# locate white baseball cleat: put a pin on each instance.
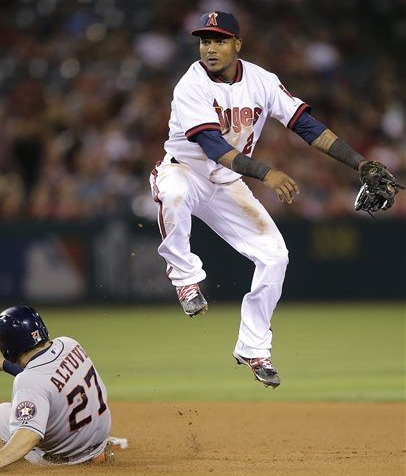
(262, 368)
(192, 300)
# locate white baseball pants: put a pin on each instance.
(239, 218)
(5, 409)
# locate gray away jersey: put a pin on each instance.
(60, 396)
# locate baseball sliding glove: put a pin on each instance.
(378, 188)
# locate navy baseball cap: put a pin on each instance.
(219, 22)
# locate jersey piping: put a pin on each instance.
(43, 351)
(208, 126)
(49, 361)
(35, 430)
(299, 111)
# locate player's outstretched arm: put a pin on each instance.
(319, 136)
(20, 444)
(336, 148)
(379, 186)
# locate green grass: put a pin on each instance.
(328, 351)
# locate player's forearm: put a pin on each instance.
(244, 165)
(336, 148)
(220, 151)
(217, 149)
(21, 443)
(227, 159)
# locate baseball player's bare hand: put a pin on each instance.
(284, 186)
(1, 364)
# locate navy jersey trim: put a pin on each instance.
(38, 354)
(23, 427)
(217, 79)
(299, 111)
(49, 361)
(208, 126)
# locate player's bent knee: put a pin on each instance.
(278, 253)
(284, 255)
(280, 261)
(284, 260)
(276, 262)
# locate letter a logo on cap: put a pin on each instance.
(212, 21)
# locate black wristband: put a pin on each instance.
(244, 165)
(341, 151)
(12, 369)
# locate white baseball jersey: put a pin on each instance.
(239, 110)
(195, 185)
(61, 397)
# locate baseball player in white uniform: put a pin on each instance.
(58, 413)
(218, 110)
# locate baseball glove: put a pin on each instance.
(378, 188)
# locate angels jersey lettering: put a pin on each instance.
(239, 110)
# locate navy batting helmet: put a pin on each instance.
(21, 329)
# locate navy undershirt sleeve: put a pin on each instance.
(308, 128)
(213, 144)
(12, 369)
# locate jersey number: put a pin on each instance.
(80, 390)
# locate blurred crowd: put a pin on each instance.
(86, 85)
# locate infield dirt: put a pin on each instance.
(250, 439)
